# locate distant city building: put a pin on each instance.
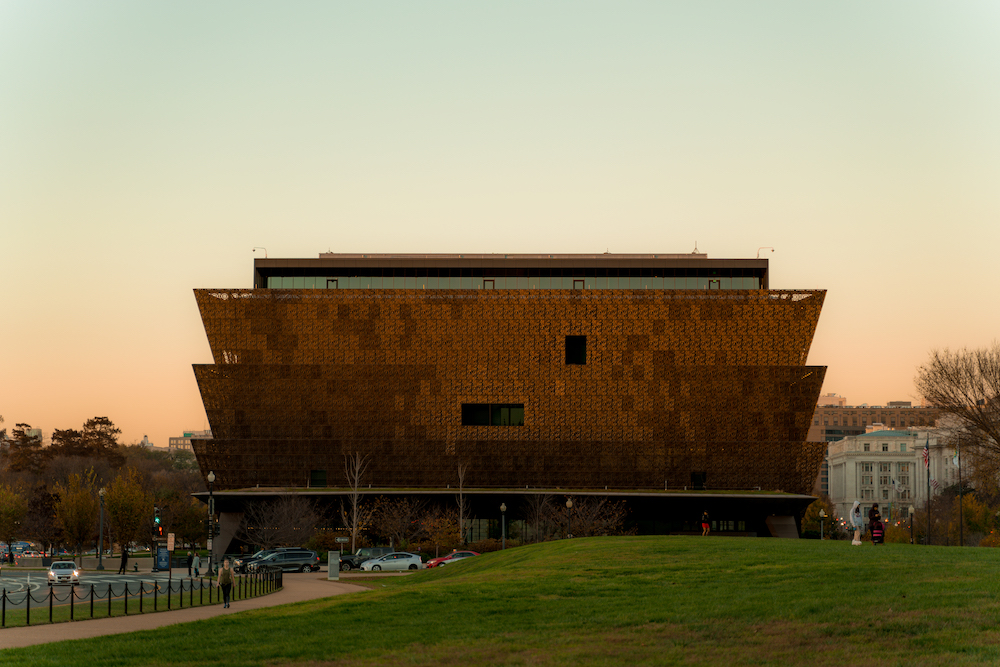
(184, 442)
(831, 400)
(834, 420)
(887, 467)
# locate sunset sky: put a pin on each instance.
(146, 148)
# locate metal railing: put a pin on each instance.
(141, 597)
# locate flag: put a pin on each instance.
(954, 457)
(935, 484)
(927, 453)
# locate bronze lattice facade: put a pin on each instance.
(659, 387)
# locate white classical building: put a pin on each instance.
(887, 467)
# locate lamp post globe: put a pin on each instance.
(822, 515)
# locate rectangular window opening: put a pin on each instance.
(493, 414)
(576, 350)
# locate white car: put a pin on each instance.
(394, 561)
(64, 572)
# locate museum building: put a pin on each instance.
(609, 373)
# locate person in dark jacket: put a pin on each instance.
(190, 559)
(706, 523)
(121, 570)
(878, 530)
(872, 513)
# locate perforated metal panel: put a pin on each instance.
(675, 382)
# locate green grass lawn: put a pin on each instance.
(614, 601)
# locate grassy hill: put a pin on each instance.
(614, 601)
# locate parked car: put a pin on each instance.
(394, 561)
(453, 557)
(64, 572)
(354, 560)
(289, 561)
(242, 565)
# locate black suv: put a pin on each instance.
(242, 565)
(299, 560)
(353, 561)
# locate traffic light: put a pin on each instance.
(217, 529)
(159, 531)
(156, 515)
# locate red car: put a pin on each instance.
(450, 558)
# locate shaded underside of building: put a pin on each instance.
(617, 389)
(647, 513)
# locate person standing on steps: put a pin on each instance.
(225, 582)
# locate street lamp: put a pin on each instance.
(100, 532)
(503, 525)
(822, 515)
(211, 511)
(912, 512)
(569, 517)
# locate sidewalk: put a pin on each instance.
(296, 589)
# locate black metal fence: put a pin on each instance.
(127, 598)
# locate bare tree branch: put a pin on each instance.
(286, 521)
(966, 385)
(355, 466)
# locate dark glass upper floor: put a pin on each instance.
(510, 272)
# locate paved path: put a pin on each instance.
(297, 587)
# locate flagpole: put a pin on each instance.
(961, 520)
(927, 466)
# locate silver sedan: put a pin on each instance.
(394, 561)
(64, 572)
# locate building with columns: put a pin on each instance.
(887, 467)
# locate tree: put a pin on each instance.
(398, 519)
(593, 515)
(100, 439)
(129, 507)
(966, 385)
(24, 452)
(441, 528)
(355, 466)
(67, 442)
(286, 521)
(40, 521)
(538, 510)
(811, 519)
(77, 509)
(13, 509)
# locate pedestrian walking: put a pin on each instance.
(225, 582)
(190, 559)
(196, 563)
(856, 523)
(706, 523)
(121, 570)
